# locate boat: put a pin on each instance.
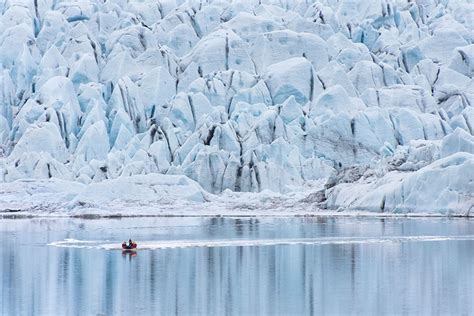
(130, 247)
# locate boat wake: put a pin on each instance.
(213, 243)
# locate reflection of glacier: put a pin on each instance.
(341, 279)
(244, 96)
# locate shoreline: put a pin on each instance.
(335, 214)
(65, 199)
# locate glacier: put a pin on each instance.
(192, 106)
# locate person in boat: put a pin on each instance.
(130, 245)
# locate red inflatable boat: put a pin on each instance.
(130, 246)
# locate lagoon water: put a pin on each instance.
(241, 266)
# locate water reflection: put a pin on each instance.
(129, 254)
(389, 278)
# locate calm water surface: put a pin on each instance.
(347, 266)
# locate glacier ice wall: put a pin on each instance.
(240, 95)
